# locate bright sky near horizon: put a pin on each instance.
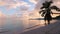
(21, 7)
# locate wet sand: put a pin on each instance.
(53, 28)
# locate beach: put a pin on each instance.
(53, 28)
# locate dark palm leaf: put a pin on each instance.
(55, 8)
(42, 12)
(46, 4)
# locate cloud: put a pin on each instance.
(57, 3)
(2, 3)
(24, 8)
(10, 4)
(2, 15)
(33, 1)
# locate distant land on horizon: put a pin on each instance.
(57, 17)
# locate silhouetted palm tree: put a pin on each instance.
(46, 11)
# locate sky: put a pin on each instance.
(16, 7)
(22, 8)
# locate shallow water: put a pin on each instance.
(16, 26)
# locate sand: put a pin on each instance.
(53, 28)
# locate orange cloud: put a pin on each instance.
(2, 15)
(2, 3)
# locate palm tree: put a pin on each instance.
(46, 11)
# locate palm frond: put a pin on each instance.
(43, 14)
(46, 4)
(55, 8)
(41, 11)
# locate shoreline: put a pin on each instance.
(48, 29)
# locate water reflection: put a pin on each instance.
(15, 26)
